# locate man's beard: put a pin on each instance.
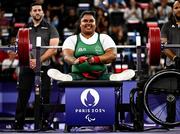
(37, 18)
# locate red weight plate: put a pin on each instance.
(23, 47)
(154, 46)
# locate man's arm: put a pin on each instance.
(47, 54)
(168, 52)
(52, 51)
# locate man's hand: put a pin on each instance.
(32, 63)
(94, 60)
(177, 62)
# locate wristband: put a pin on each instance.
(96, 59)
(82, 59)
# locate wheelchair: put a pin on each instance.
(161, 98)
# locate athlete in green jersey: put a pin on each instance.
(88, 53)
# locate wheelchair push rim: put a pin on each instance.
(163, 88)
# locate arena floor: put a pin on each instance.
(88, 130)
(173, 131)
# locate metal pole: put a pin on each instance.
(138, 60)
(37, 116)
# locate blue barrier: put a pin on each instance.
(8, 96)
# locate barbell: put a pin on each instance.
(153, 46)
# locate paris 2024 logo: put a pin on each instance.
(90, 98)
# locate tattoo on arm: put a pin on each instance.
(70, 59)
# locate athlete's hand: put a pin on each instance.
(80, 60)
(94, 60)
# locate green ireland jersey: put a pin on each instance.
(88, 50)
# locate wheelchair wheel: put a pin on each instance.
(162, 98)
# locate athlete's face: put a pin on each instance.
(87, 24)
(176, 10)
(37, 13)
